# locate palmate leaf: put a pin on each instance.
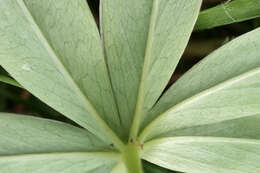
(144, 41)
(53, 49)
(205, 154)
(223, 87)
(227, 13)
(30, 145)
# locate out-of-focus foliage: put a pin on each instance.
(227, 13)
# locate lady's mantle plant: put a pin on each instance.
(208, 121)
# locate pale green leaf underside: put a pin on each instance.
(246, 127)
(205, 155)
(58, 163)
(227, 13)
(144, 41)
(30, 145)
(27, 135)
(223, 87)
(53, 49)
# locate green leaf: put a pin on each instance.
(27, 135)
(144, 41)
(53, 49)
(246, 127)
(58, 163)
(32, 144)
(204, 155)
(223, 87)
(227, 13)
(9, 81)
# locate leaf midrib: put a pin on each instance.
(113, 137)
(140, 98)
(196, 97)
